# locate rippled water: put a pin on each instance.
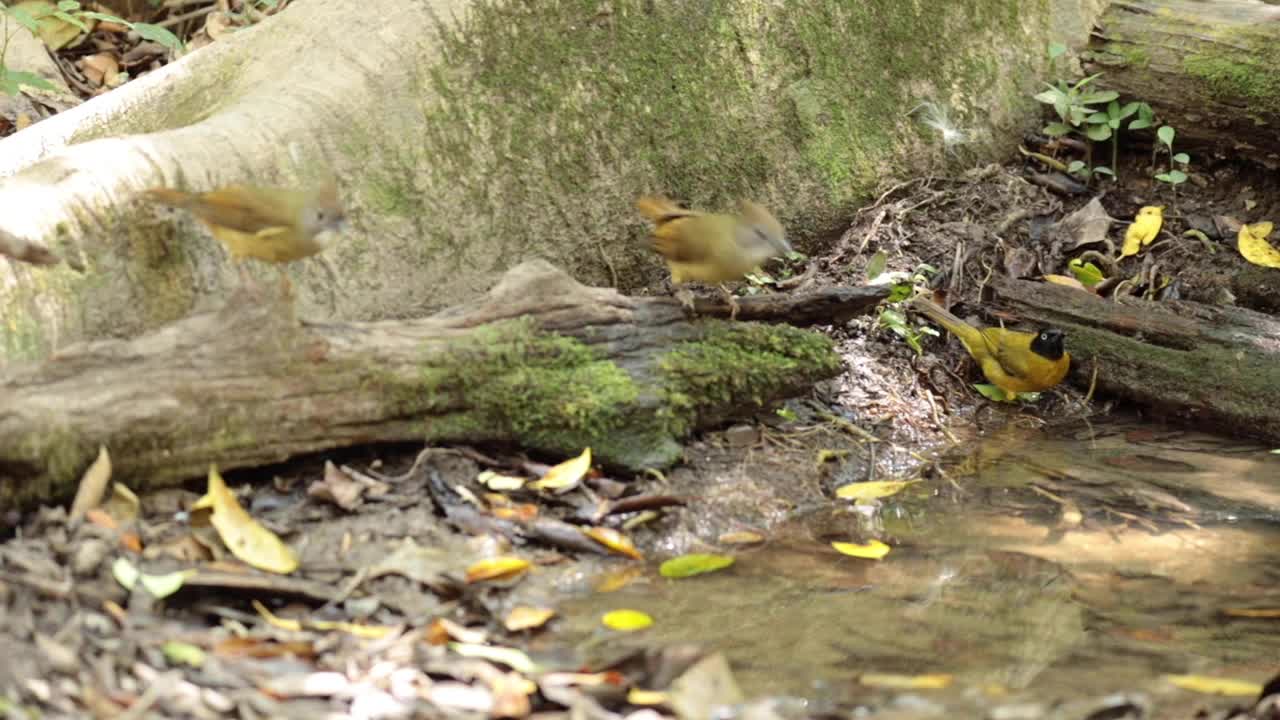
(1051, 565)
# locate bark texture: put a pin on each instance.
(1218, 366)
(541, 362)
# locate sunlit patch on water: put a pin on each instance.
(1060, 564)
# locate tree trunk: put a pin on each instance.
(1219, 366)
(540, 361)
(471, 135)
(1209, 69)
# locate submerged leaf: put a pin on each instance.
(694, 564)
(935, 681)
(872, 490)
(496, 568)
(1215, 686)
(626, 620)
(614, 540)
(870, 550)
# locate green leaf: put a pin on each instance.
(11, 79)
(1049, 97)
(104, 17)
(71, 20)
(68, 5)
(993, 392)
(1140, 124)
(694, 564)
(1086, 81)
(1098, 97)
(1075, 166)
(899, 292)
(1165, 133)
(1129, 109)
(1182, 158)
(1056, 50)
(1098, 133)
(876, 265)
(1177, 177)
(1056, 129)
(181, 653)
(155, 33)
(1104, 170)
(1113, 123)
(1098, 117)
(1077, 114)
(1086, 272)
(1113, 109)
(24, 19)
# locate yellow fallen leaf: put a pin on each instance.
(626, 620)
(1065, 281)
(243, 536)
(614, 540)
(369, 632)
(935, 681)
(502, 483)
(523, 617)
(870, 550)
(618, 578)
(741, 537)
(1145, 228)
(1253, 245)
(93, 485)
(693, 564)
(872, 490)
(566, 475)
(636, 696)
(1215, 686)
(496, 568)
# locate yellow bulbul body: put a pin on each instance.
(712, 247)
(274, 225)
(1014, 361)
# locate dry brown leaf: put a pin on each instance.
(93, 485)
(523, 617)
(614, 540)
(496, 568)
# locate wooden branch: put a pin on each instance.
(826, 306)
(540, 361)
(1216, 365)
(1205, 67)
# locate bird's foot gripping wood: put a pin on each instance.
(734, 307)
(685, 296)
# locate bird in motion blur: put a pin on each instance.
(275, 225)
(712, 247)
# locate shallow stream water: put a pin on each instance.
(1047, 566)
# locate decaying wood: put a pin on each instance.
(1207, 68)
(540, 361)
(1217, 365)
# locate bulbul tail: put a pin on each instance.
(172, 198)
(659, 209)
(967, 333)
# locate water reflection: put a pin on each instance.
(1072, 562)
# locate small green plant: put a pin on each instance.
(1174, 176)
(1074, 105)
(896, 321)
(71, 13)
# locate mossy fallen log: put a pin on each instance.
(1209, 69)
(541, 362)
(1218, 366)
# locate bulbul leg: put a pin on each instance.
(685, 296)
(286, 287)
(733, 302)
